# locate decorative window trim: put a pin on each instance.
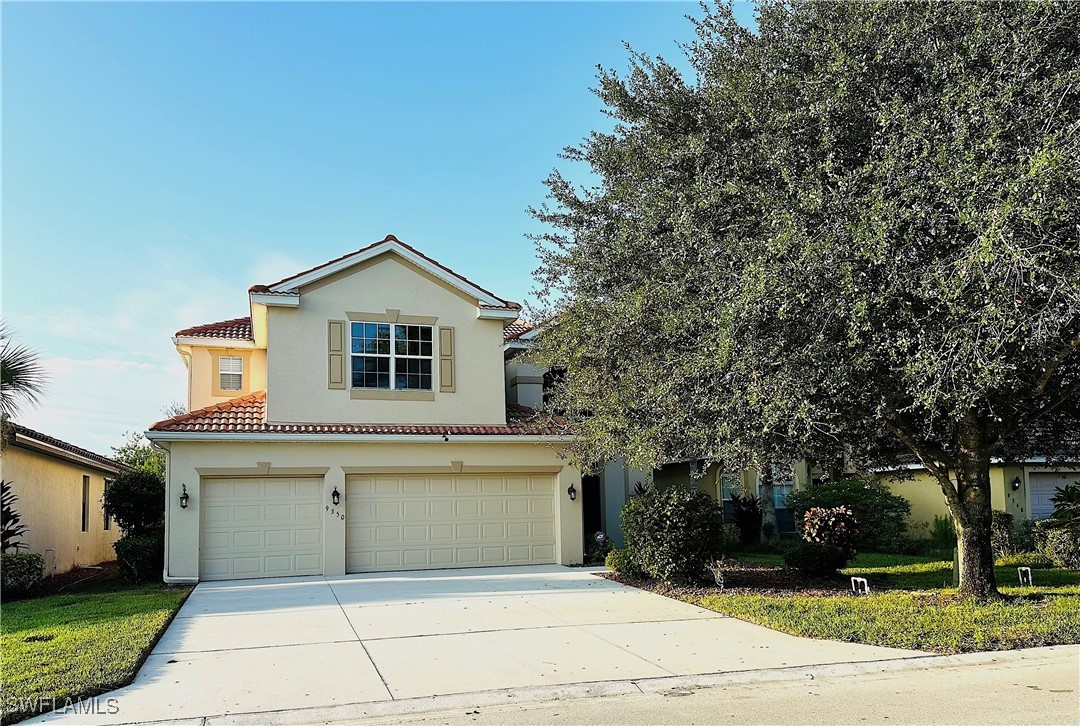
(393, 357)
(245, 371)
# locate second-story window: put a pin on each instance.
(391, 356)
(231, 373)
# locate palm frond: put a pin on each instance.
(22, 376)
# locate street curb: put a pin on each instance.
(543, 694)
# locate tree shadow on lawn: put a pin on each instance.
(768, 578)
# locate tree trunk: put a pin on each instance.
(768, 505)
(972, 514)
(973, 534)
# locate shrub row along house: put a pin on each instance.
(59, 488)
(375, 413)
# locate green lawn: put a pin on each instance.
(68, 646)
(933, 621)
(912, 605)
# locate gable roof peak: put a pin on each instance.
(485, 298)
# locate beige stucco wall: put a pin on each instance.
(50, 502)
(189, 462)
(297, 344)
(928, 501)
(202, 374)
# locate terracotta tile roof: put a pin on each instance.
(26, 438)
(516, 329)
(247, 414)
(235, 329)
(508, 304)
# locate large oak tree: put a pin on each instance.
(854, 229)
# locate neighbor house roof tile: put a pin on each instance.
(235, 329)
(247, 414)
(516, 329)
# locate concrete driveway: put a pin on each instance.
(260, 646)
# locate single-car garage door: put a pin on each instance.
(260, 528)
(411, 522)
(1043, 485)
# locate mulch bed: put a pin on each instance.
(72, 581)
(745, 578)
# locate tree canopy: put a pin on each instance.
(853, 230)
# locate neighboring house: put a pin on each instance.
(1022, 489)
(60, 487)
(359, 421)
(605, 491)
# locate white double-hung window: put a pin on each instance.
(391, 356)
(231, 373)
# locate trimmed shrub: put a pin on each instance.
(673, 532)
(21, 572)
(1024, 535)
(1060, 545)
(828, 541)
(1034, 560)
(747, 513)
(816, 559)
(1001, 533)
(834, 527)
(621, 563)
(141, 557)
(136, 502)
(882, 515)
(597, 547)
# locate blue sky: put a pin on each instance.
(160, 158)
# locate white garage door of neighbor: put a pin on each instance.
(413, 522)
(260, 528)
(1042, 485)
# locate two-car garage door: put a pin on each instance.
(273, 527)
(399, 522)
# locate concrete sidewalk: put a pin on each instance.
(259, 650)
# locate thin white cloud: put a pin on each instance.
(273, 267)
(92, 402)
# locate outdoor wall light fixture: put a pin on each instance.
(1016, 483)
(184, 496)
(335, 496)
(572, 492)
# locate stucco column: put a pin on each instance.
(568, 515)
(334, 522)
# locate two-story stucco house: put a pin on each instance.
(358, 421)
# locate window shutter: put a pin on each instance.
(446, 360)
(335, 348)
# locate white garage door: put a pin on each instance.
(1043, 485)
(260, 528)
(411, 522)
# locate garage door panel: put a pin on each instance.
(466, 485)
(260, 528)
(415, 522)
(441, 486)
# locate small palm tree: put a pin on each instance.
(22, 377)
(10, 528)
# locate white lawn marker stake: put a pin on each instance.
(1025, 576)
(859, 586)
